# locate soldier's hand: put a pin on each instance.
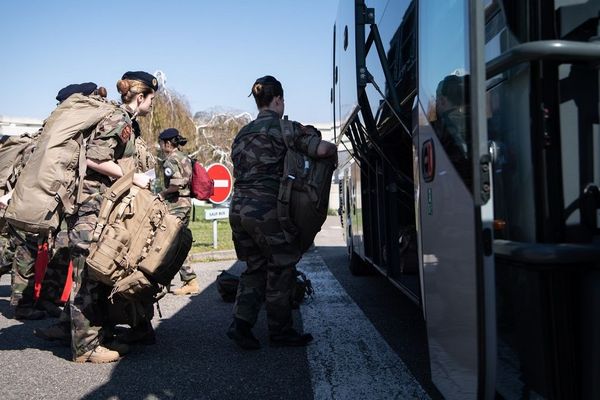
(141, 180)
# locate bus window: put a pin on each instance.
(444, 79)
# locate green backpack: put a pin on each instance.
(304, 188)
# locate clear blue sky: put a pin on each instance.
(211, 51)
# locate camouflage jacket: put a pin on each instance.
(258, 152)
(177, 170)
(107, 143)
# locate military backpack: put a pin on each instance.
(303, 197)
(136, 242)
(14, 154)
(47, 186)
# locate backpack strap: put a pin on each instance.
(286, 185)
(287, 131)
(111, 196)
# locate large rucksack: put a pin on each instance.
(47, 186)
(202, 186)
(136, 237)
(303, 197)
(14, 153)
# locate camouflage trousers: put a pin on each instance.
(88, 305)
(270, 263)
(186, 273)
(22, 283)
(7, 254)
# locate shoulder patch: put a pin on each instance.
(168, 172)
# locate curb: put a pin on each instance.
(220, 255)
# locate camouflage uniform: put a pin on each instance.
(7, 181)
(257, 154)
(23, 269)
(53, 283)
(7, 254)
(89, 298)
(177, 169)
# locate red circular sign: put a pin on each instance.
(222, 177)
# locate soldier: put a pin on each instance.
(89, 298)
(136, 313)
(257, 153)
(25, 245)
(178, 174)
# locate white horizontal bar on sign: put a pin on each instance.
(223, 183)
(216, 213)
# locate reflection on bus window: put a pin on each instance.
(452, 122)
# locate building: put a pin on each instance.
(14, 126)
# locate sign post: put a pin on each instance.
(223, 185)
(216, 214)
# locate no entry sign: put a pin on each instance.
(222, 177)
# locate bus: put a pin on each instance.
(472, 129)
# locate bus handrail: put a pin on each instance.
(556, 50)
(548, 254)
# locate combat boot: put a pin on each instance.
(290, 338)
(54, 332)
(188, 287)
(240, 332)
(98, 355)
(29, 313)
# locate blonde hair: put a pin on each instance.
(129, 88)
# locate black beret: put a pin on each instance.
(86, 89)
(142, 76)
(168, 133)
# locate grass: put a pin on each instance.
(202, 231)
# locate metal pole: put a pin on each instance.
(215, 233)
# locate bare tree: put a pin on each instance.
(215, 136)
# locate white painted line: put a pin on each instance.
(348, 359)
(221, 183)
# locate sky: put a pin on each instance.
(210, 51)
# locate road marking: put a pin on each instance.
(348, 359)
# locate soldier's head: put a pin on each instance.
(137, 89)
(268, 94)
(170, 139)
(86, 88)
(452, 93)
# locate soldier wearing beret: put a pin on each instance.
(177, 169)
(258, 153)
(84, 319)
(24, 244)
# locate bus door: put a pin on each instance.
(453, 202)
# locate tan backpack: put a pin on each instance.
(14, 153)
(134, 233)
(46, 188)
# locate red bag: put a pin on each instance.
(202, 186)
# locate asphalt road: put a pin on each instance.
(369, 343)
